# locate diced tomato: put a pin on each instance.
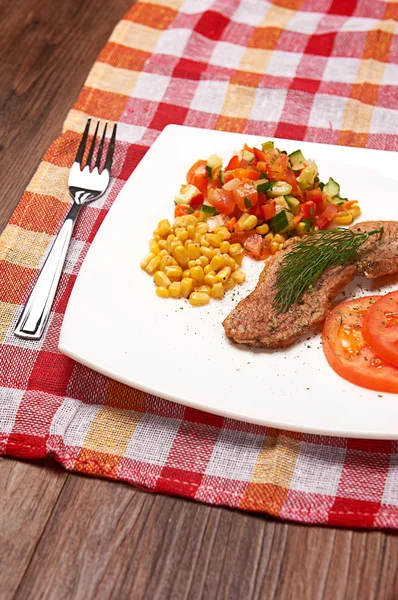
(246, 147)
(290, 178)
(254, 244)
(181, 210)
(330, 212)
(241, 174)
(197, 201)
(222, 200)
(260, 155)
(314, 196)
(257, 211)
(268, 210)
(245, 195)
(308, 209)
(347, 352)
(380, 330)
(198, 176)
(321, 222)
(233, 163)
(277, 167)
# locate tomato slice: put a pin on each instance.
(269, 210)
(233, 163)
(198, 176)
(222, 200)
(380, 329)
(314, 195)
(347, 352)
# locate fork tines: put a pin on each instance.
(82, 147)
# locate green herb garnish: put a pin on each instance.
(304, 264)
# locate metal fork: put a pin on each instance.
(85, 185)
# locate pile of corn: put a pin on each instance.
(186, 261)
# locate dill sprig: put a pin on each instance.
(304, 264)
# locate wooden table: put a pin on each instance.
(74, 537)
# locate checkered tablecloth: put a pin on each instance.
(319, 70)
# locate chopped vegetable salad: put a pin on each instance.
(263, 196)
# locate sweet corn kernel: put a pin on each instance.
(190, 221)
(208, 269)
(214, 239)
(217, 262)
(187, 284)
(227, 260)
(154, 247)
(202, 228)
(146, 260)
(199, 298)
(224, 274)
(153, 265)
(262, 229)
(162, 244)
(279, 238)
(160, 278)
(274, 247)
(217, 291)
(223, 231)
(193, 251)
(181, 255)
(301, 228)
(204, 261)
(247, 222)
(224, 247)
(162, 292)
(204, 241)
(268, 238)
(156, 236)
(192, 263)
(216, 251)
(174, 244)
(191, 231)
(228, 285)
(343, 218)
(197, 274)
(174, 272)
(235, 249)
(202, 288)
(210, 279)
(175, 289)
(167, 261)
(208, 252)
(185, 273)
(178, 222)
(239, 276)
(163, 252)
(197, 238)
(183, 235)
(164, 227)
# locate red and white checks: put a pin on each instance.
(319, 70)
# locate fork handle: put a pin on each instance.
(37, 309)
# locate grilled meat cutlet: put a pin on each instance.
(255, 322)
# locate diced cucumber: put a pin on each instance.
(307, 177)
(247, 155)
(187, 192)
(263, 185)
(331, 188)
(213, 162)
(221, 177)
(280, 203)
(296, 157)
(247, 201)
(293, 203)
(282, 221)
(267, 145)
(210, 210)
(279, 188)
(337, 200)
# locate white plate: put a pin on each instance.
(115, 324)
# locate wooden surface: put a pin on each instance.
(64, 536)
